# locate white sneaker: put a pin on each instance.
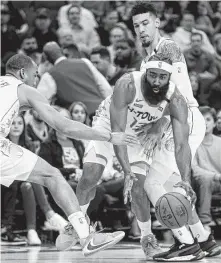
(150, 246)
(96, 242)
(33, 238)
(56, 222)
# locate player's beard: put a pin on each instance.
(152, 96)
(146, 44)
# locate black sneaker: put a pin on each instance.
(9, 238)
(181, 252)
(210, 247)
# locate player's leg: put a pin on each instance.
(96, 157)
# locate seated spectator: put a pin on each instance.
(215, 89)
(65, 37)
(84, 38)
(217, 129)
(109, 20)
(72, 51)
(182, 35)
(195, 84)
(100, 57)
(207, 168)
(87, 19)
(29, 47)
(11, 41)
(126, 55)
(42, 30)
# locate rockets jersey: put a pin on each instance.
(179, 77)
(9, 103)
(139, 111)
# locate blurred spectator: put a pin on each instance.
(109, 20)
(182, 35)
(195, 84)
(72, 80)
(42, 30)
(29, 47)
(215, 89)
(87, 20)
(116, 33)
(207, 167)
(100, 57)
(72, 51)
(217, 129)
(126, 55)
(199, 60)
(10, 40)
(203, 21)
(65, 37)
(84, 38)
(216, 18)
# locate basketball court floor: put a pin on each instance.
(121, 253)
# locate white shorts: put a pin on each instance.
(164, 161)
(100, 152)
(16, 163)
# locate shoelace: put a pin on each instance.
(153, 241)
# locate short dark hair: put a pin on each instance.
(161, 57)
(142, 7)
(197, 34)
(206, 109)
(18, 62)
(102, 51)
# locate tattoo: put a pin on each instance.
(170, 49)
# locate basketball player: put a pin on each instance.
(140, 99)
(18, 163)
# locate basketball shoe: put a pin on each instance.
(210, 247)
(181, 252)
(150, 246)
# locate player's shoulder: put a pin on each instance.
(170, 49)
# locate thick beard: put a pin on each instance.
(146, 44)
(122, 62)
(150, 95)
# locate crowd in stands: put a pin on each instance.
(101, 34)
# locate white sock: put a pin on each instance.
(145, 227)
(199, 232)
(84, 208)
(80, 224)
(183, 235)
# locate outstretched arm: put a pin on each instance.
(122, 96)
(72, 129)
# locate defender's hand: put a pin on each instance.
(128, 184)
(121, 138)
(191, 195)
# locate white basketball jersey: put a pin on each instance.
(9, 104)
(139, 111)
(179, 76)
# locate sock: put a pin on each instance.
(49, 214)
(80, 224)
(84, 208)
(145, 227)
(183, 235)
(199, 232)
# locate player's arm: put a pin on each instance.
(71, 129)
(179, 115)
(122, 96)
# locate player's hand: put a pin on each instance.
(191, 195)
(121, 138)
(128, 184)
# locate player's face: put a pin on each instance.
(78, 113)
(145, 26)
(29, 76)
(157, 79)
(210, 123)
(17, 127)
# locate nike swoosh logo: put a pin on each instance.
(92, 247)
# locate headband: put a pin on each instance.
(159, 64)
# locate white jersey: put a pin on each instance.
(179, 76)
(139, 111)
(9, 103)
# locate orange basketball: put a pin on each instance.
(173, 210)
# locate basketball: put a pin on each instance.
(173, 210)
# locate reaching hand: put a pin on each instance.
(191, 196)
(128, 184)
(121, 138)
